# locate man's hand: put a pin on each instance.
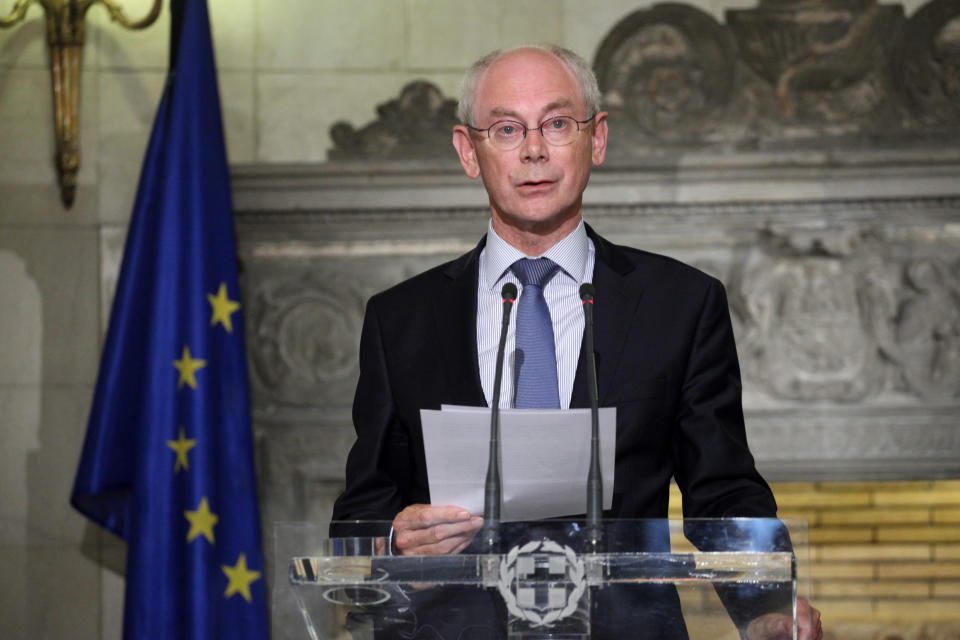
(779, 626)
(424, 530)
(808, 621)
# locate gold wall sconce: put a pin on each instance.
(65, 36)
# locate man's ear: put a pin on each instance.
(599, 138)
(463, 143)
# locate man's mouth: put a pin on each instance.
(536, 183)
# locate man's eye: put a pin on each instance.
(557, 123)
(506, 130)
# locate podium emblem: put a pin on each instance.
(541, 582)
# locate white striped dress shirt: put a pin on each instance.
(575, 256)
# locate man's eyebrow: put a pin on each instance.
(502, 111)
(557, 104)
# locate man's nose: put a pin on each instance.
(534, 148)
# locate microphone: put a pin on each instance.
(594, 478)
(490, 535)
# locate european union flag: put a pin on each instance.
(168, 459)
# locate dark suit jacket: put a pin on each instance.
(665, 359)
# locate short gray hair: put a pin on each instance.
(589, 90)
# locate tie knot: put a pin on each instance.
(534, 271)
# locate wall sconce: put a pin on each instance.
(65, 34)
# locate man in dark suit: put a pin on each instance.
(664, 346)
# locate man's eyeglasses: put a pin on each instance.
(557, 131)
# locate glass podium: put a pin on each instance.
(730, 578)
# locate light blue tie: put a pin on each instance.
(536, 357)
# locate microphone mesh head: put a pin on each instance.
(509, 292)
(586, 292)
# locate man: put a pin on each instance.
(532, 128)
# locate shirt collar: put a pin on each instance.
(570, 254)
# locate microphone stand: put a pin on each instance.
(490, 535)
(594, 478)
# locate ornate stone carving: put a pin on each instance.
(303, 341)
(921, 333)
(823, 45)
(415, 125)
(305, 307)
(841, 317)
(667, 69)
(803, 321)
(811, 73)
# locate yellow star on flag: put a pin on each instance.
(222, 308)
(240, 578)
(187, 366)
(181, 446)
(201, 521)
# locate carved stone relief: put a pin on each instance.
(303, 339)
(804, 338)
(842, 313)
(667, 70)
(786, 73)
(304, 322)
(921, 335)
(801, 46)
(846, 317)
(417, 124)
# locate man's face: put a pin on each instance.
(536, 187)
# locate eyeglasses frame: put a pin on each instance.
(526, 130)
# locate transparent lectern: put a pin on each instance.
(658, 579)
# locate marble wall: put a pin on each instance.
(288, 71)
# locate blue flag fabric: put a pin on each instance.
(167, 463)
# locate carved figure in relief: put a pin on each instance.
(928, 329)
(928, 63)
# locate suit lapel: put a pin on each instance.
(455, 316)
(617, 297)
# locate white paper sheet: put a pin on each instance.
(544, 459)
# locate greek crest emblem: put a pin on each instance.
(541, 582)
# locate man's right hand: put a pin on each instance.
(779, 626)
(422, 529)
